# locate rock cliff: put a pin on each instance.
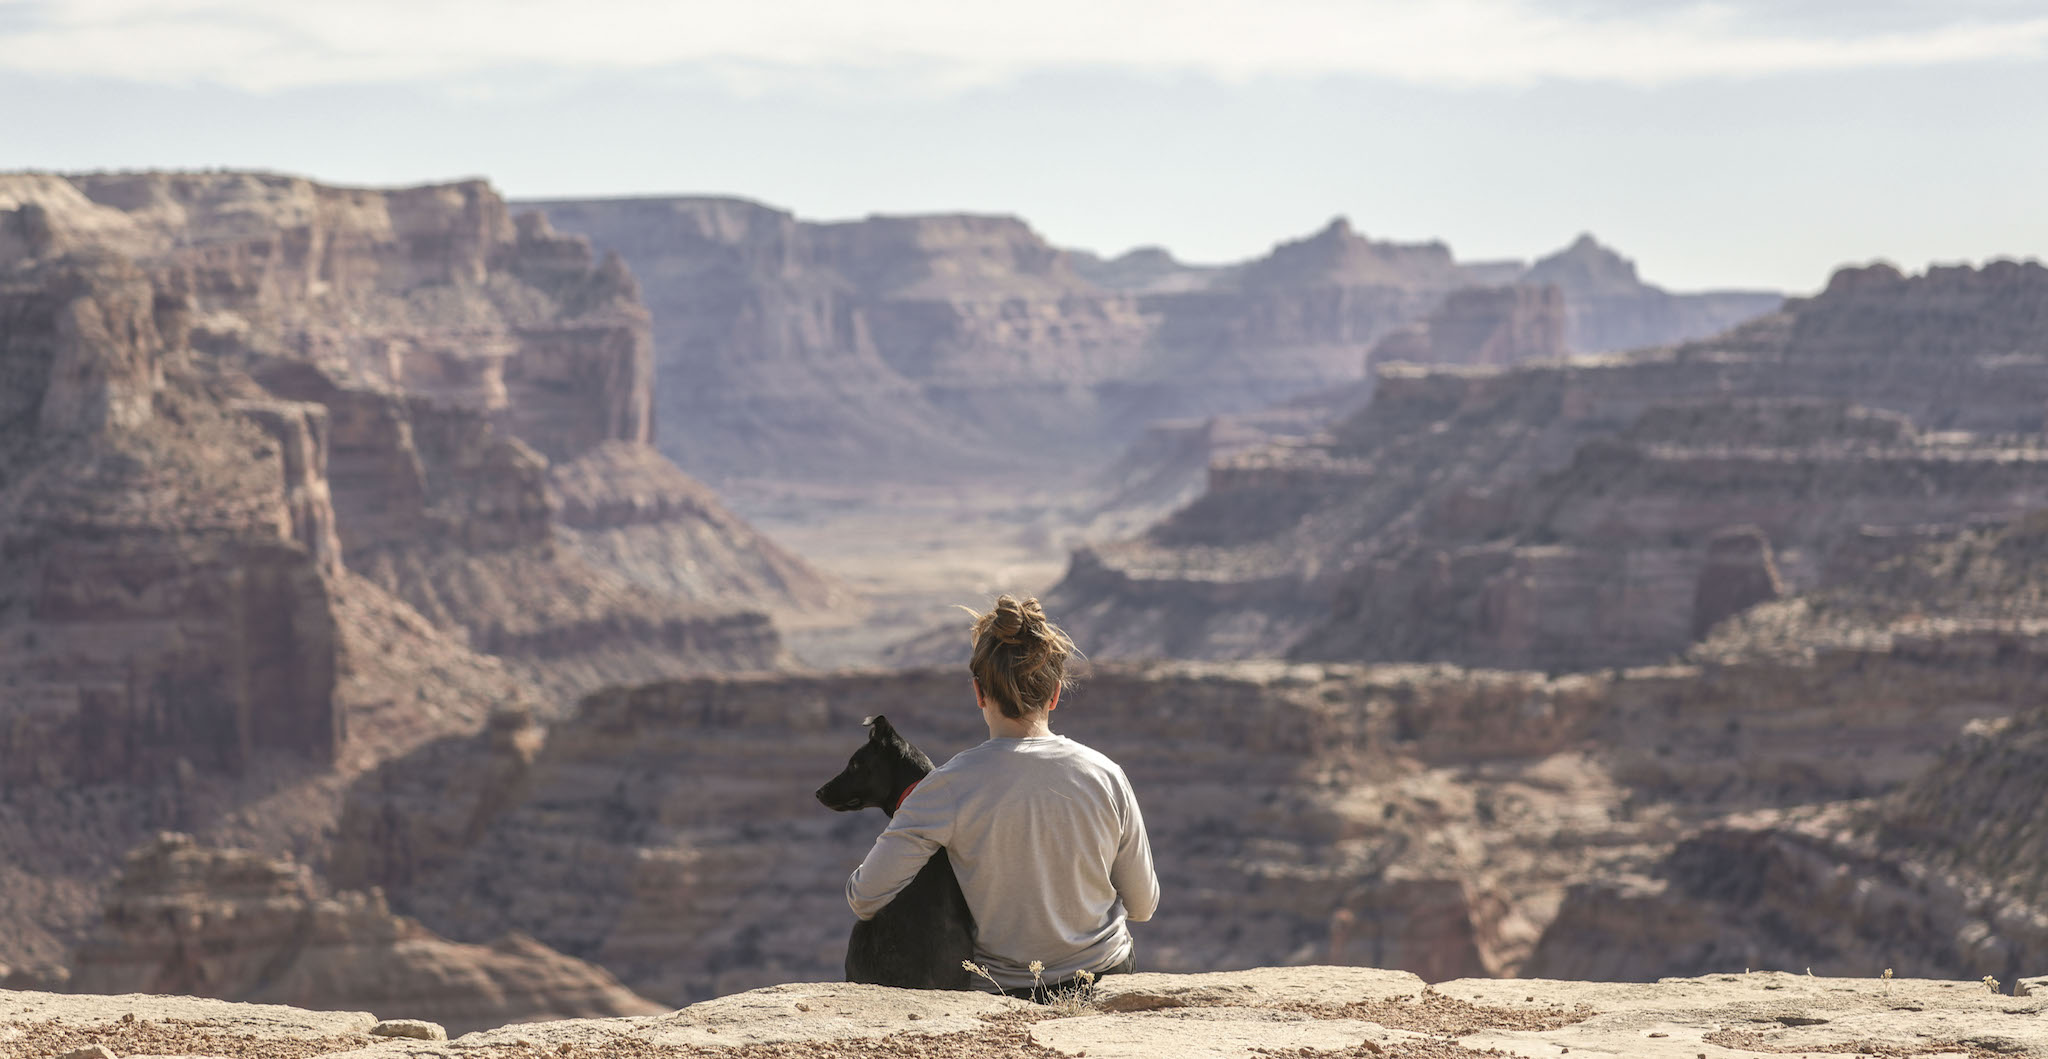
(1444, 518)
(283, 467)
(1942, 874)
(1426, 818)
(231, 924)
(453, 352)
(965, 345)
(1610, 308)
(1483, 325)
(166, 556)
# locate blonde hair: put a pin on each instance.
(1020, 659)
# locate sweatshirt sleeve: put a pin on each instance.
(921, 826)
(1132, 874)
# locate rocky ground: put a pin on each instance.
(1297, 1011)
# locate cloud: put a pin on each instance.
(268, 45)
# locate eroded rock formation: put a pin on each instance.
(959, 345)
(1483, 325)
(277, 462)
(1562, 515)
(1423, 817)
(231, 924)
(167, 557)
(1943, 874)
(429, 357)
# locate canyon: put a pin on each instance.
(1426, 818)
(956, 347)
(382, 586)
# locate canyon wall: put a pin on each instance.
(1563, 515)
(463, 361)
(1427, 818)
(1941, 871)
(962, 345)
(289, 474)
(166, 557)
(227, 923)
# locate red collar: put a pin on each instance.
(905, 794)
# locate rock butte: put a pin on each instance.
(296, 476)
(1575, 514)
(1304, 1011)
(923, 348)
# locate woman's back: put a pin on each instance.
(1045, 835)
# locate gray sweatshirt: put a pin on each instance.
(1047, 841)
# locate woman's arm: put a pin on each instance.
(1132, 873)
(916, 832)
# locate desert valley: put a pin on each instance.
(417, 601)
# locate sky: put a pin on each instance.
(1743, 143)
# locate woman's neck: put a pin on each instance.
(1035, 723)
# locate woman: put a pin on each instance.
(1044, 833)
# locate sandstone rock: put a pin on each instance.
(924, 345)
(1225, 1032)
(626, 508)
(432, 355)
(1609, 308)
(185, 919)
(1274, 986)
(413, 1028)
(1740, 573)
(90, 1051)
(167, 609)
(1424, 818)
(1482, 325)
(1742, 1015)
(1559, 516)
(277, 472)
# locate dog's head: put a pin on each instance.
(878, 773)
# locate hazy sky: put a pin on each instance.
(1751, 143)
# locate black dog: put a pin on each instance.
(920, 938)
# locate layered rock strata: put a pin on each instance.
(277, 465)
(1610, 308)
(167, 556)
(455, 352)
(234, 925)
(1426, 818)
(1562, 515)
(1483, 325)
(1943, 874)
(961, 346)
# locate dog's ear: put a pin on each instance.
(879, 730)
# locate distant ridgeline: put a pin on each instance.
(938, 347)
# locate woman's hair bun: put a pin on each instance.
(1019, 656)
(1016, 623)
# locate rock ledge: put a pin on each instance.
(1309, 1011)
